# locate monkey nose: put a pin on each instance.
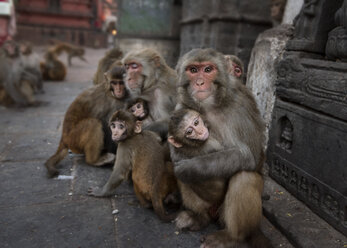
(199, 81)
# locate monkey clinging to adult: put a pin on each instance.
(139, 108)
(84, 120)
(234, 122)
(149, 77)
(141, 153)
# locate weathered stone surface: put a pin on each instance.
(261, 76)
(292, 9)
(307, 155)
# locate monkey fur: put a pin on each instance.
(235, 122)
(142, 153)
(52, 68)
(83, 123)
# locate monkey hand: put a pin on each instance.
(97, 192)
(223, 164)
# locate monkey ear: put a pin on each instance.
(173, 142)
(138, 127)
(157, 61)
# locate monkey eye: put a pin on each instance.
(121, 126)
(196, 122)
(237, 70)
(193, 69)
(208, 69)
(134, 65)
(189, 131)
(113, 125)
(138, 106)
(132, 110)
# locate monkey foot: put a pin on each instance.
(95, 191)
(107, 158)
(187, 220)
(220, 239)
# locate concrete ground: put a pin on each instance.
(39, 212)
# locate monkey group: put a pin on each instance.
(192, 136)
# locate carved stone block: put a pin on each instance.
(313, 24)
(307, 154)
(317, 84)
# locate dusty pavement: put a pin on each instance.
(39, 212)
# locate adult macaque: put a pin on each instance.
(235, 67)
(141, 153)
(52, 68)
(16, 84)
(112, 57)
(31, 64)
(83, 123)
(206, 86)
(149, 77)
(71, 50)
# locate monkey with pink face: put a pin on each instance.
(221, 177)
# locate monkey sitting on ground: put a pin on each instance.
(205, 85)
(142, 153)
(52, 68)
(83, 130)
(111, 58)
(189, 137)
(31, 64)
(16, 83)
(71, 50)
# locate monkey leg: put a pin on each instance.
(143, 201)
(241, 212)
(90, 139)
(196, 216)
(52, 161)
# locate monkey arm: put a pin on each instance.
(223, 164)
(121, 169)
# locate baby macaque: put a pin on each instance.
(139, 151)
(139, 108)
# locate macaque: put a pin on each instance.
(85, 118)
(71, 50)
(31, 64)
(206, 86)
(235, 67)
(52, 68)
(142, 153)
(139, 108)
(149, 77)
(16, 84)
(111, 58)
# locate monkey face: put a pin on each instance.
(194, 127)
(201, 77)
(236, 70)
(134, 78)
(118, 88)
(138, 110)
(119, 130)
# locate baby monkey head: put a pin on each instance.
(124, 125)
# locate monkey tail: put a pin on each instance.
(55, 159)
(259, 240)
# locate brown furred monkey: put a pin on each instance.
(71, 50)
(236, 67)
(141, 153)
(52, 68)
(83, 123)
(139, 108)
(234, 121)
(31, 64)
(111, 58)
(16, 84)
(149, 77)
